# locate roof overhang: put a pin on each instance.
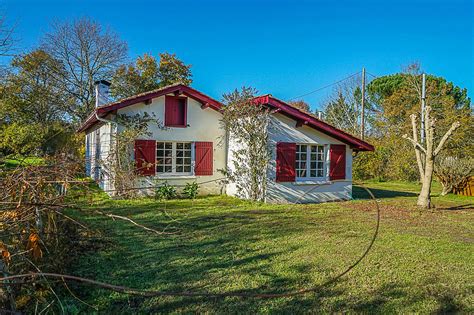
(309, 120)
(177, 89)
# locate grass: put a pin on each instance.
(421, 261)
(10, 163)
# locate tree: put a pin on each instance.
(6, 37)
(343, 107)
(87, 53)
(172, 70)
(31, 94)
(302, 105)
(392, 99)
(147, 74)
(428, 153)
(247, 127)
(342, 114)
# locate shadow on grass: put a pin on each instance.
(468, 206)
(360, 193)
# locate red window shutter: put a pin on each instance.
(204, 158)
(175, 111)
(145, 157)
(285, 162)
(337, 155)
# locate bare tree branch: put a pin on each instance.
(446, 136)
(415, 143)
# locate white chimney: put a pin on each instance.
(101, 92)
(320, 115)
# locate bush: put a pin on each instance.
(165, 192)
(190, 191)
(453, 172)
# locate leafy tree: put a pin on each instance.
(172, 70)
(31, 94)
(87, 53)
(147, 74)
(397, 96)
(302, 105)
(392, 100)
(21, 139)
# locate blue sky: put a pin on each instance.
(286, 48)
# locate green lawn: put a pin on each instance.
(421, 262)
(20, 161)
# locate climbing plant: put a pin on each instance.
(246, 123)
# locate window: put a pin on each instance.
(309, 161)
(173, 158)
(175, 111)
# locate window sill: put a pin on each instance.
(176, 176)
(312, 182)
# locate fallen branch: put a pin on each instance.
(114, 216)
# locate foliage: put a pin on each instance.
(396, 97)
(21, 139)
(247, 126)
(87, 53)
(191, 190)
(453, 172)
(255, 247)
(119, 161)
(172, 70)
(31, 93)
(146, 75)
(165, 191)
(302, 105)
(391, 100)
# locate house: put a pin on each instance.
(311, 160)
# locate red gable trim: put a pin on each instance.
(311, 121)
(102, 111)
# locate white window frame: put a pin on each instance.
(308, 163)
(173, 172)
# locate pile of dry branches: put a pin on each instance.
(34, 231)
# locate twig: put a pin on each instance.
(114, 216)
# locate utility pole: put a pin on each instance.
(362, 118)
(423, 98)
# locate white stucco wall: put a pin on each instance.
(98, 141)
(282, 129)
(203, 125)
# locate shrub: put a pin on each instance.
(190, 191)
(165, 192)
(452, 172)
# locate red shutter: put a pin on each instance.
(204, 158)
(285, 162)
(337, 155)
(145, 157)
(175, 111)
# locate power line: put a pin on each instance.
(325, 87)
(373, 75)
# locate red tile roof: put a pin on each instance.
(308, 119)
(179, 89)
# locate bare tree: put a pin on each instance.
(6, 37)
(429, 153)
(88, 53)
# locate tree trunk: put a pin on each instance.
(424, 199)
(446, 189)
